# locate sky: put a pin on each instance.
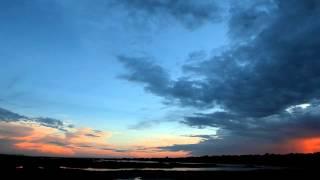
(159, 78)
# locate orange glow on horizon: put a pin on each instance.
(35, 138)
(45, 148)
(308, 145)
(159, 154)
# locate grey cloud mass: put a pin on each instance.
(238, 135)
(272, 64)
(142, 70)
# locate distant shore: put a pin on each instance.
(207, 167)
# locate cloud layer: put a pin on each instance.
(51, 137)
(272, 64)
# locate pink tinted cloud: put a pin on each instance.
(33, 138)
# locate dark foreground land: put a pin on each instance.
(291, 166)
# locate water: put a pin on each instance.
(167, 169)
(135, 178)
(129, 161)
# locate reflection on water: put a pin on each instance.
(140, 165)
(136, 178)
(153, 162)
(168, 169)
(196, 166)
(128, 161)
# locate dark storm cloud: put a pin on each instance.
(272, 64)
(261, 77)
(250, 17)
(190, 13)
(238, 135)
(270, 72)
(297, 123)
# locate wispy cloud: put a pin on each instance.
(189, 13)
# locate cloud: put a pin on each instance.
(54, 123)
(157, 80)
(44, 148)
(155, 146)
(6, 115)
(272, 64)
(191, 14)
(279, 133)
(92, 135)
(144, 124)
(143, 70)
(46, 136)
(297, 123)
(275, 69)
(155, 141)
(52, 137)
(8, 130)
(34, 138)
(269, 73)
(9, 116)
